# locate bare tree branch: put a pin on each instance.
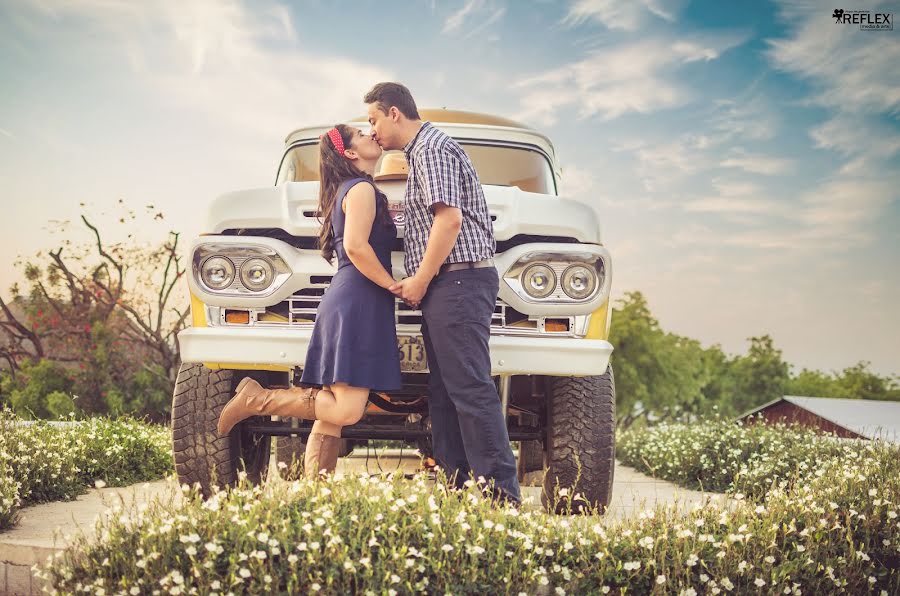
(22, 329)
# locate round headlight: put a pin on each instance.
(257, 274)
(539, 281)
(578, 282)
(217, 272)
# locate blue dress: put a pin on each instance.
(354, 339)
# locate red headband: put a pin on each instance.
(335, 136)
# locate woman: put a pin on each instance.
(353, 349)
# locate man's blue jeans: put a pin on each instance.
(467, 425)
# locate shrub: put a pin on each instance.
(28, 392)
(58, 462)
(723, 456)
(839, 532)
(9, 493)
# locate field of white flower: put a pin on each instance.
(42, 462)
(721, 456)
(836, 532)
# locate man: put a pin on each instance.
(449, 243)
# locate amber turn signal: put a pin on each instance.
(551, 325)
(237, 317)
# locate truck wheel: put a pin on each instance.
(201, 455)
(290, 452)
(581, 443)
(531, 459)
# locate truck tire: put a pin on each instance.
(531, 459)
(201, 455)
(581, 443)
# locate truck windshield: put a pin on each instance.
(504, 165)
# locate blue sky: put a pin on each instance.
(742, 156)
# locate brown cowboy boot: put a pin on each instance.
(321, 454)
(252, 399)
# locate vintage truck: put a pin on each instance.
(257, 276)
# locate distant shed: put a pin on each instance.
(850, 418)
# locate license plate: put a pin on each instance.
(412, 354)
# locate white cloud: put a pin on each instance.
(751, 119)
(238, 66)
(693, 234)
(661, 165)
(855, 134)
(734, 205)
(735, 188)
(576, 181)
(456, 20)
(628, 16)
(836, 215)
(473, 18)
(756, 163)
(853, 70)
(737, 198)
(845, 208)
(636, 76)
(854, 75)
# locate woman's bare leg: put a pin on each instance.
(341, 405)
(336, 407)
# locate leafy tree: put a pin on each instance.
(658, 375)
(107, 314)
(813, 383)
(661, 375)
(760, 376)
(858, 382)
(720, 386)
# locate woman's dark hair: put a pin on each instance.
(334, 170)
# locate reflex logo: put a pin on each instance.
(867, 20)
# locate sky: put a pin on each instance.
(742, 156)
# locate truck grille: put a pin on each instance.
(300, 310)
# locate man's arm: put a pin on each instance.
(441, 240)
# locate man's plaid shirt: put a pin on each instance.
(441, 172)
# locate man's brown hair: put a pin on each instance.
(388, 95)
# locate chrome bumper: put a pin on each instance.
(510, 355)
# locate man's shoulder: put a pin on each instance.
(435, 143)
(433, 138)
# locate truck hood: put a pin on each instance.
(291, 206)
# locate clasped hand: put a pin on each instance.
(411, 290)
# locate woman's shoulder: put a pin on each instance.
(357, 186)
(360, 187)
(349, 183)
